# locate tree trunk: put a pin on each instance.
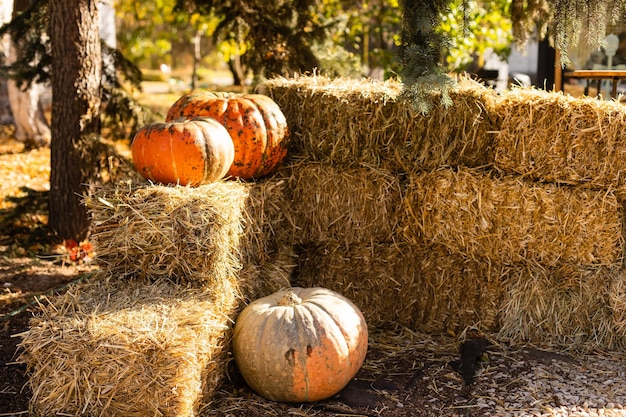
(236, 68)
(76, 73)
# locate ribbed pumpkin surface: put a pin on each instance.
(255, 123)
(300, 344)
(187, 152)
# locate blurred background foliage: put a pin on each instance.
(360, 37)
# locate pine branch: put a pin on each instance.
(421, 54)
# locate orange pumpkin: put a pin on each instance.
(300, 344)
(256, 125)
(188, 152)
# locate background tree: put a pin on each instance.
(145, 32)
(476, 28)
(279, 34)
(361, 37)
(76, 74)
(61, 45)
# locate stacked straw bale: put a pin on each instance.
(516, 193)
(348, 205)
(150, 335)
(169, 232)
(205, 235)
(507, 219)
(558, 138)
(344, 122)
(124, 348)
(568, 306)
(459, 239)
(421, 287)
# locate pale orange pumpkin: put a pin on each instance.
(256, 125)
(300, 344)
(186, 152)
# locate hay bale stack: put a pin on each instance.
(506, 219)
(128, 348)
(344, 122)
(422, 287)
(562, 139)
(566, 306)
(441, 250)
(150, 336)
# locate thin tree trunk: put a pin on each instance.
(76, 95)
(236, 68)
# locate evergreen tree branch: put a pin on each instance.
(420, 54)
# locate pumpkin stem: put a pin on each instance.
(290, 299)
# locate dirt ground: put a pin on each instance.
(405, 373)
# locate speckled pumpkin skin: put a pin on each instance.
(300, 344)
(186, 152)
(255, 123)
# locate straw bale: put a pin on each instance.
(422, 287)
(507, 219)
(267, 241)
(176, 232)
(128, 348)
(205, 235)
(359, 204)
(558, 138)
(567, 306)
(347, 122)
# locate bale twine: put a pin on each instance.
(128, 348)
(345, 122)
(422, 287)
(506, 219)
(562, 139)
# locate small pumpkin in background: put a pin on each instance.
(255, 123)
(186, 152)
(300, 344)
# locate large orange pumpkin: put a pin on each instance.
(188, 152)
(256, 125)
(300, 344)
